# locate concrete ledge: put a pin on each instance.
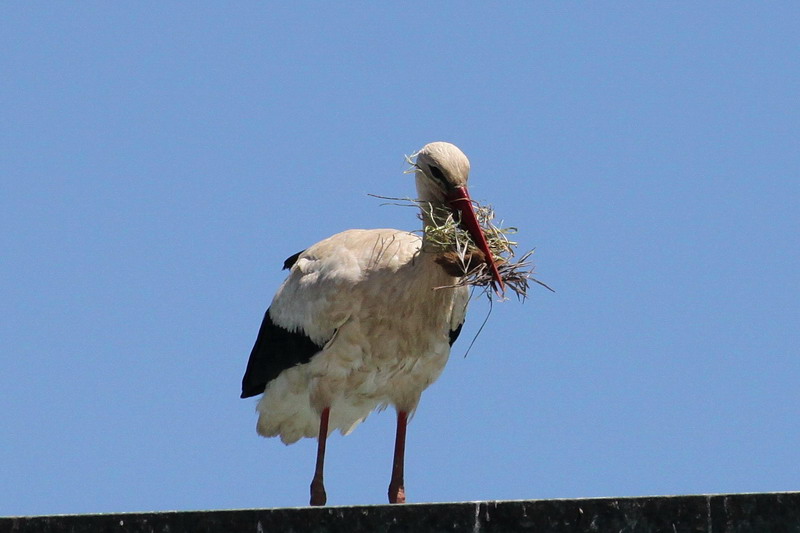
(724, 513)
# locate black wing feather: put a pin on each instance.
(291, 260)
(454, 333)
(275, 350)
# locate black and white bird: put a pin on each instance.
(363, 322)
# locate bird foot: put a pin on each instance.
(318, 496)
(397, 494)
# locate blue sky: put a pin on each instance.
(160, 161)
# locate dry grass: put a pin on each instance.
(444, 232)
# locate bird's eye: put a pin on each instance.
(437, 173)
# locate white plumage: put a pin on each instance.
(377, 291)
(365, 319)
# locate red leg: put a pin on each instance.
(397, 490)
(318, 496)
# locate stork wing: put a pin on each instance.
(459, 313)
(275, 350)
(318, 296)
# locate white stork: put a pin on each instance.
(362, 322)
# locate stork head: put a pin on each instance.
(442, 171)
(441, 167)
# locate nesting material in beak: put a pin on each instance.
(460, 202)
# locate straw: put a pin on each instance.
(444, 234)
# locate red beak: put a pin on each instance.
(461, 203)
